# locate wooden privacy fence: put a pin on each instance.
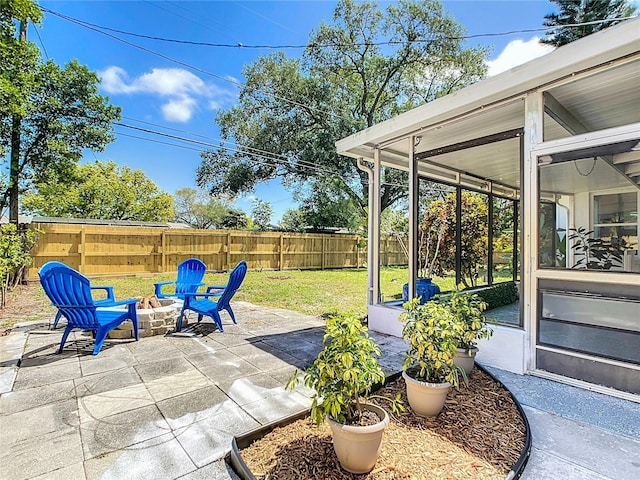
(97, 250)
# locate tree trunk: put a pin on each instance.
(14, 172)
(14, 169)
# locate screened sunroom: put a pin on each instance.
(550, 153)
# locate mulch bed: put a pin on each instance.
(479, 435)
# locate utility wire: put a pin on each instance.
(266, 159)
(153, 140)
(44, 49)
(276, 162)
(192, 67)
(337, 45)
(97, 28)
(239, 147)
(227, 142)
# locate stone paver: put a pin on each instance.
(166, 407)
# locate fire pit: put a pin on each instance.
(155, 317)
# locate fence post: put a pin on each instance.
(323, 248)
(83, 247)
(280, 261)
(386, 251)
(164, 251)
(228, 250)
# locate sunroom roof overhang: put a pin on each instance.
(497, 105)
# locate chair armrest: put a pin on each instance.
(200, 294)
(158, 287)
(110, 295)
(215, 287)
(128, 301)
(196, 286)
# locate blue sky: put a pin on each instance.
(185, 96)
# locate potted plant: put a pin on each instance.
(432, 331)
(597, 253)
(343, 373)
(469, 310)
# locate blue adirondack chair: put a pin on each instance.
(70, 292)
(109, 301)
(215, 299)
(190, 275)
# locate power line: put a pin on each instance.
(266, 159)
(153, 140)
(187, 65)
(234, 145)
(44, 49)
(327, 45)
(227, 142)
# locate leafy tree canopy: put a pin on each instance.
(325, 204)
(438, 236)
(292, 221)
(49, 114)
(100, 190)
(364, 67)
(261, 213)
(199, 209)
(235, 220)
(583, 11)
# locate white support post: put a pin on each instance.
(414, 248)
(533, 128)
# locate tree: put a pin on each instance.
(199, 209)
(583, 11)
(100, 190)
(326, 205)
(15, 248)
(438, 236)
(368, 65)
(234, 220)
(49, 114)
(292, 221)
(261, 213)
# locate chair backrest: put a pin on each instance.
(190, 274)
(235, 280)
(70, 291)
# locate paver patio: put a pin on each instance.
(166, 407)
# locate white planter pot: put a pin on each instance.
(426, 399)
(465, 360)
(358, 447)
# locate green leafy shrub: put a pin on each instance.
(345, 370)
(15, 246)
(469, 309)
(498, 295)
(432, 330)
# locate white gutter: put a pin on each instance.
(369, 171)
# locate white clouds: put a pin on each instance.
(179, 109)
(170, 81)
(181, 88)
(516, 53)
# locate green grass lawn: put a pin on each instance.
(314, 292)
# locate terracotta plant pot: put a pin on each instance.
(358, 447)
(465, 360)
(426, 399)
